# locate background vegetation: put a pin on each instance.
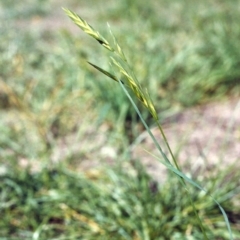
(54, 109)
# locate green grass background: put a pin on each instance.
(185, 52)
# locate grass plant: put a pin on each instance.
(143, 96)
(47, 89)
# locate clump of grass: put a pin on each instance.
(117, 204)
(35, 113)
(128, 79)
(197, 68)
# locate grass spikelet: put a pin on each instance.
(87, 28)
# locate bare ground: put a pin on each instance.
(203, 140)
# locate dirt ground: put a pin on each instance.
(203, 139)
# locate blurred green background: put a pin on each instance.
(57, 112)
